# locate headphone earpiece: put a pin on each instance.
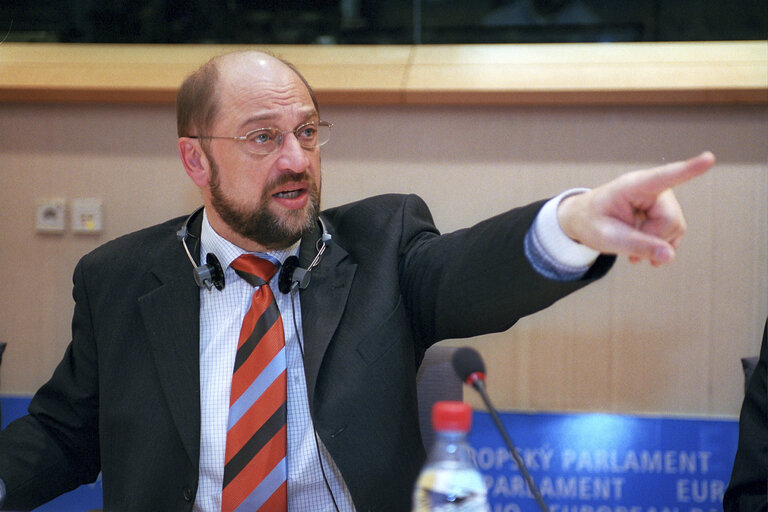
(291, 276)
(210, 274)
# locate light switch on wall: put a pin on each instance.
(86, 215)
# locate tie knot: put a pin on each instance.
(257, 271)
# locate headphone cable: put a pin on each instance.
(314, 431)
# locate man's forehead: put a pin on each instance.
(306, 112)
(254, 66)
(260, 74)
(257, 89)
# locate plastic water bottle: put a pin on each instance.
(449, 481)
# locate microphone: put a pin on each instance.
(292, 276)
(469, 367)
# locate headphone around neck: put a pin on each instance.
(291, 277)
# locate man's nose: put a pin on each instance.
(293, 157)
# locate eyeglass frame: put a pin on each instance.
(279, 139)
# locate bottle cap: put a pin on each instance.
(448, 415)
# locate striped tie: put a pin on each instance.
(255, 468)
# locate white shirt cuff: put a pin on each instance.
(559, 246)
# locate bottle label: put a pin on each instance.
(450, 491)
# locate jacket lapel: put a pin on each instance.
(322, 302)
(171, 314)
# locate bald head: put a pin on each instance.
(197, 102)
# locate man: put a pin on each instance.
(146, 391)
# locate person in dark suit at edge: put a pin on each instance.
(142, 393)
(748, 488)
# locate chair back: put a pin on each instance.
(2, 349)
(436, 381)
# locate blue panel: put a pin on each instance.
(607, 462)
(12, 408)
(580, 462)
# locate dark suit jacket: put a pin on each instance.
(748, 488)
(125, 399)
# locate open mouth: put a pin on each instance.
(289, 194)
(293, 196)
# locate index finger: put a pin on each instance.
(655, 181)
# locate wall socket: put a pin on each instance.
(50, 215)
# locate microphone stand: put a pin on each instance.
(479, 385)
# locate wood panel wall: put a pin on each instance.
(532, 74)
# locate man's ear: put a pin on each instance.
(194, 160)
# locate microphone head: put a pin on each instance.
(468, 365)
(301, 278)
(211, 273)
(285, 278)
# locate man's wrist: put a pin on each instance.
(550, 251)
(559, 246)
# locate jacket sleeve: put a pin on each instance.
(476, 280)
(54, 448)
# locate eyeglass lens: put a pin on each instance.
(268, 140)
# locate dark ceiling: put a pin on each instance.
(381, 22)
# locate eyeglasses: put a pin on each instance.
(265, 141)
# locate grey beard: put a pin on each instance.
(263, 226)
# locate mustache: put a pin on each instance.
(290, 177)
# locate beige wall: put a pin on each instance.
(642, 340)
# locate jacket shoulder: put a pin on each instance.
(134, 249)
(379, 211)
